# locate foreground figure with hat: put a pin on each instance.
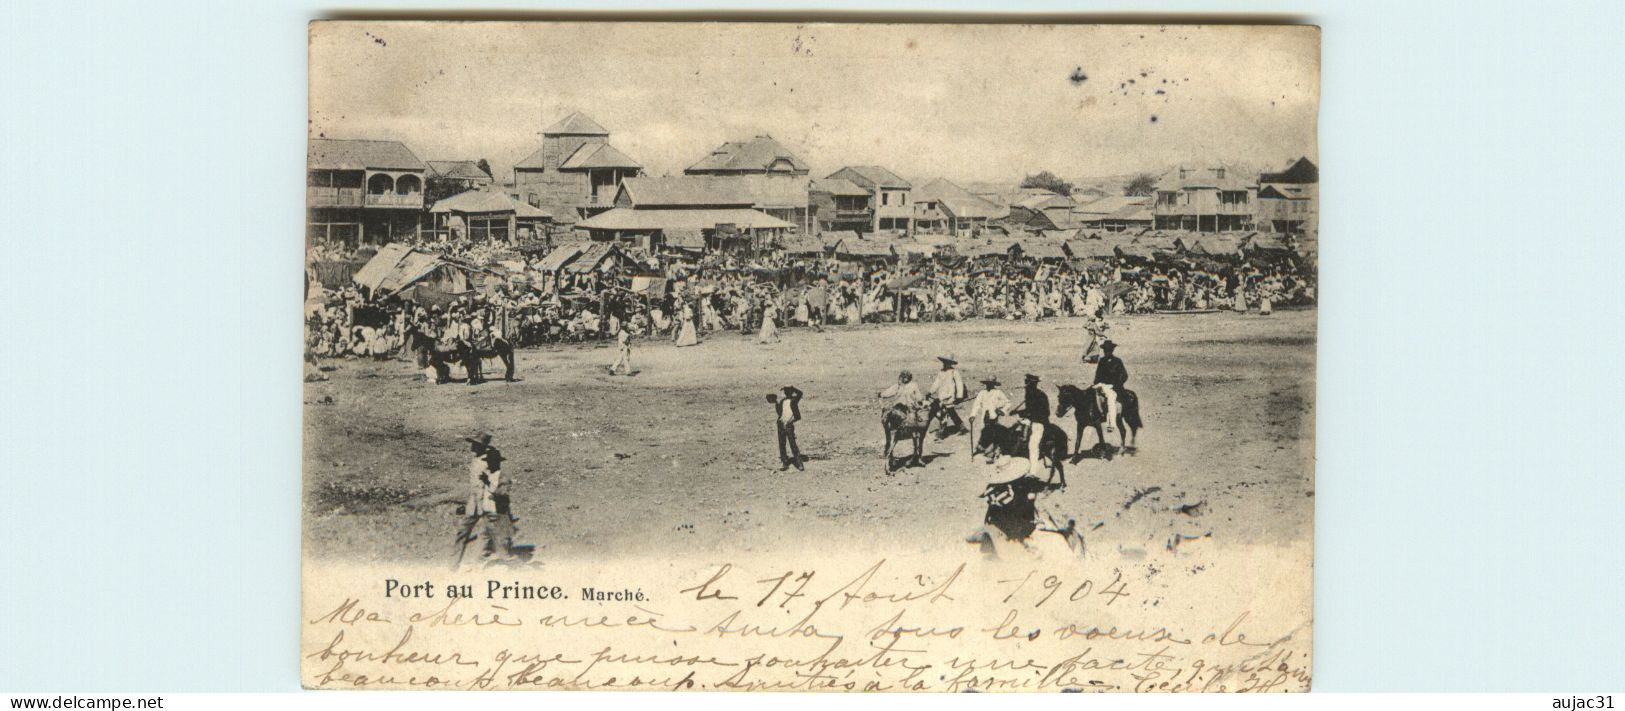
(487, 517)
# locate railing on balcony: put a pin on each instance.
(394, 200)
(333, 197)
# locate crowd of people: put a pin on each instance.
(763, 293)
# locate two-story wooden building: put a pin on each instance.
(888, 196)
(1287, 201)
(362, 191)
(576, 171)
(1214, 199)
(945, 207)
(838, 205)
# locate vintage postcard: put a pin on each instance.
(826, 357)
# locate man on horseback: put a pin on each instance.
(905, 394)
(948, 390)
(990, 405)
(1110, 375)
(1035, 404)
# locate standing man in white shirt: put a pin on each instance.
(949, 389)
(787, 411)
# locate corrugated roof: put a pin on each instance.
(594, 255)
(1042, 249)
(597, 155)
(838, 186)
(1112, 203)
(972, 208)
(1234, 179)
(624, 218)
(457, 169)
(685, 238)
(1301, 171)
(864, 248)
(560, 256)
(757, 154)
(758, 191)
(1045, 202)
(335, 154)
(871, 176)
(487, 200)
(576, 124)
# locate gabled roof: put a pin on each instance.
(871, 176)
(972, 208)
(755, 191)
(1045, 202)
(758, 154)
(1205, 177)
(941, 188)
(1283, 191)
(576, 124)
(628, 219)
(597, 155)
(487, 200)
(1042, 249)
(561, 255)
(958, 201)
(864, 248)
(838, 186)
(1112, 203)
(335, 154)
(594, 255)
(397, 266)
(1301, 171)
(457, 169)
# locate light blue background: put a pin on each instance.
(1468, 496)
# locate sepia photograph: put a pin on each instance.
(616, 313)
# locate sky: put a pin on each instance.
(973, 103)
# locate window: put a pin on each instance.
(488, 228)
(885, 198)
(903, 197)
(1220, 173)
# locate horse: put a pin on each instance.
(1090, 411)
(900, 421)
(498, 348)
(431, 352)
(1012, 442)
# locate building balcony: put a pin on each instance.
(412, 200)
(333, 197)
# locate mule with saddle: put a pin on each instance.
(1088, 409)
(441, 354)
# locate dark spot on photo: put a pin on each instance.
(1153, 118)
(1078, 77)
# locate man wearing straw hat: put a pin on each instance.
(990, 405)
(488, 506)
(948, 390)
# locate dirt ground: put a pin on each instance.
(681, 457)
